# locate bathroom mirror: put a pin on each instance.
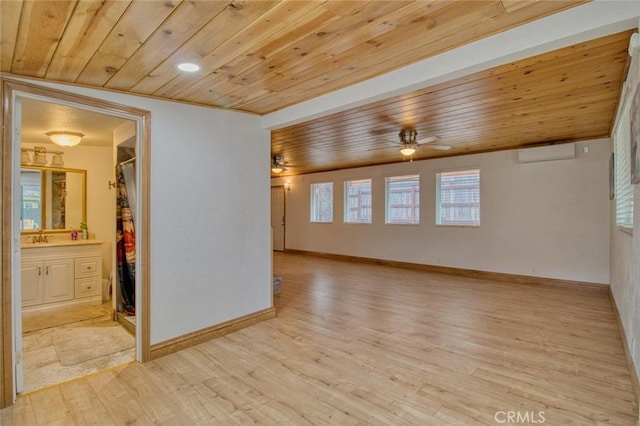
(52, 199)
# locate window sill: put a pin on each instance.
(625, 230)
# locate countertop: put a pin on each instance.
(59, 242)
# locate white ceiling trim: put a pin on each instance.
(585, 22)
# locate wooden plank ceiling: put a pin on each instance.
(260, 56)
(566, 95)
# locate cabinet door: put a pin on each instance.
(31, 283)
(58, 280)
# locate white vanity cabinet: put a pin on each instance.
(61, 275)
(47, 281)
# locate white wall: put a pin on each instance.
(210, 252)
(625, 278)
(545, 219)
(625, 257)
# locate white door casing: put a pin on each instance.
(16, 287)
(278, 217)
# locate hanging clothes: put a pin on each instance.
(126, 236)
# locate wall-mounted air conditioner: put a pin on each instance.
(564, 151)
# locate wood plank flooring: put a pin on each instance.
(369, 344)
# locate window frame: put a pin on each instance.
(438, 206)
(313, 211)
(388, 220)
(623, 188)
(347, 208)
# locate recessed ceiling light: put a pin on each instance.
(188, 67)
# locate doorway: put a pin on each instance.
(278, 217)
(13, 95)
(68, 329)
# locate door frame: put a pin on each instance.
(284, 200)
(9, 90)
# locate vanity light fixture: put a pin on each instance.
(188, 67)
(25, 158)
(40, 157)
(56, 160)
(287, 186)
(65, 138)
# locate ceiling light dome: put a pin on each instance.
(65, 138)
(188, 67)
(407, 149)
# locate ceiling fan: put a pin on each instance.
(408, 140)
(278, 165)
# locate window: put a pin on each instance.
(357, 201)
(322, 202)
(31, 206)
(622, 153)
(458, 198)
(402, 195)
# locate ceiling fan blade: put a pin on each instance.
(440, 147)
(428, 139)
(384, 118)
(381, 131)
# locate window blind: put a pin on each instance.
(622, 151)
(402, 194)
(357, 201)
(458, 198)
(322, 202)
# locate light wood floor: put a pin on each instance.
(366, 344)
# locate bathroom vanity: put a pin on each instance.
(60, 274)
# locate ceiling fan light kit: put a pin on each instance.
(277, 164)
(407, 149)
(408, 135)
(409, 140)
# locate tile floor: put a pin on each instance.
(61, 346)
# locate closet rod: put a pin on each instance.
(130, 160)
